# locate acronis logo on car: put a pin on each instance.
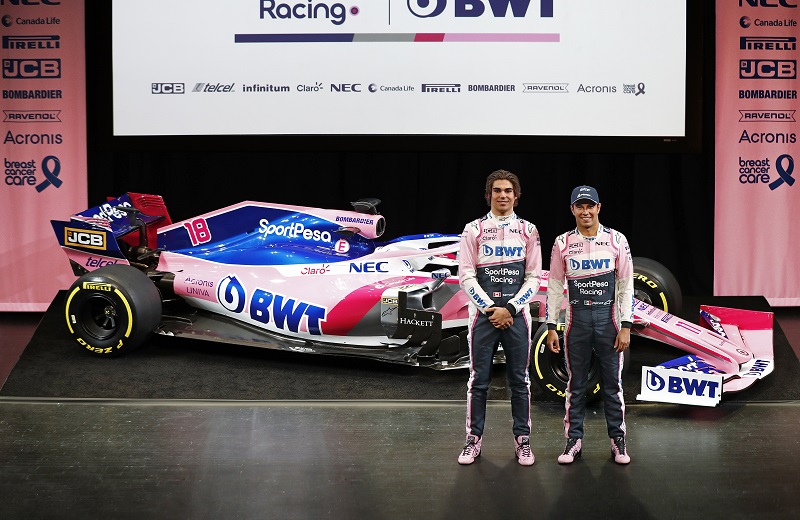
(477, 8)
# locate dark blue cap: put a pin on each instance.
(585, 193)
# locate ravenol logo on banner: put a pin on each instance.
(669, 385)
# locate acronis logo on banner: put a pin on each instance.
(476, 8)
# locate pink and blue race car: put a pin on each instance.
(312, 280)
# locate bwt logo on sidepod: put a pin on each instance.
(266, 307)
(476, 8)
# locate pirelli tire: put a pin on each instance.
(113, 310)
(654, 284)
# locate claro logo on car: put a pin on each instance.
(84, 238)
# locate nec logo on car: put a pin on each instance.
(476, 8)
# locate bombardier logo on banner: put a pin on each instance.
(755, 252)
(43, 136)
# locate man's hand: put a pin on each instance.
(552, 342)
(500, 317)
(623, 339)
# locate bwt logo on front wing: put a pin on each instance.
(476, 8)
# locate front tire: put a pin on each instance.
(112, 310)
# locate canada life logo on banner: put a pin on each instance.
(42, 78)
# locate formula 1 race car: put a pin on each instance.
(315, 280)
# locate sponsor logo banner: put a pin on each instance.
(755, 150)
(43, 149)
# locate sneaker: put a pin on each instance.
(471, 449)
(572, 451)
(618, 450)
(523, 450)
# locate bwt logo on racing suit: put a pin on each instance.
(502, 251)
(599, 263)
(265, 307)
(476, 8)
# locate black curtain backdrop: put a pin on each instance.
(663, 203)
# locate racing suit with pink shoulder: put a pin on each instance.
(599, 277)
(499, 265)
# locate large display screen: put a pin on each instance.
(610, 68)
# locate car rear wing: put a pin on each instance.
(99, 235)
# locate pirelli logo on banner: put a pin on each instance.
(84, 238)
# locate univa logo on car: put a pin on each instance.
(267, 307)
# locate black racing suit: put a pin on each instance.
(599, 276)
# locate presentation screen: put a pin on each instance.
(581, 68)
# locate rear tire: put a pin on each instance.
(112, 310)
(654, 284)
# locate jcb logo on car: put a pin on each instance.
(84, 238)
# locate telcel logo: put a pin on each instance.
(476, 8)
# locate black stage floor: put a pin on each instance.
(194, 430)
(386, 460)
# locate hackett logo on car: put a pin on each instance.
(679, 386)
(214, 87)
(84, 238)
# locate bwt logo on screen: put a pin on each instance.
(476, 8)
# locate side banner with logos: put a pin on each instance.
(756, 246)
(44, 145)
